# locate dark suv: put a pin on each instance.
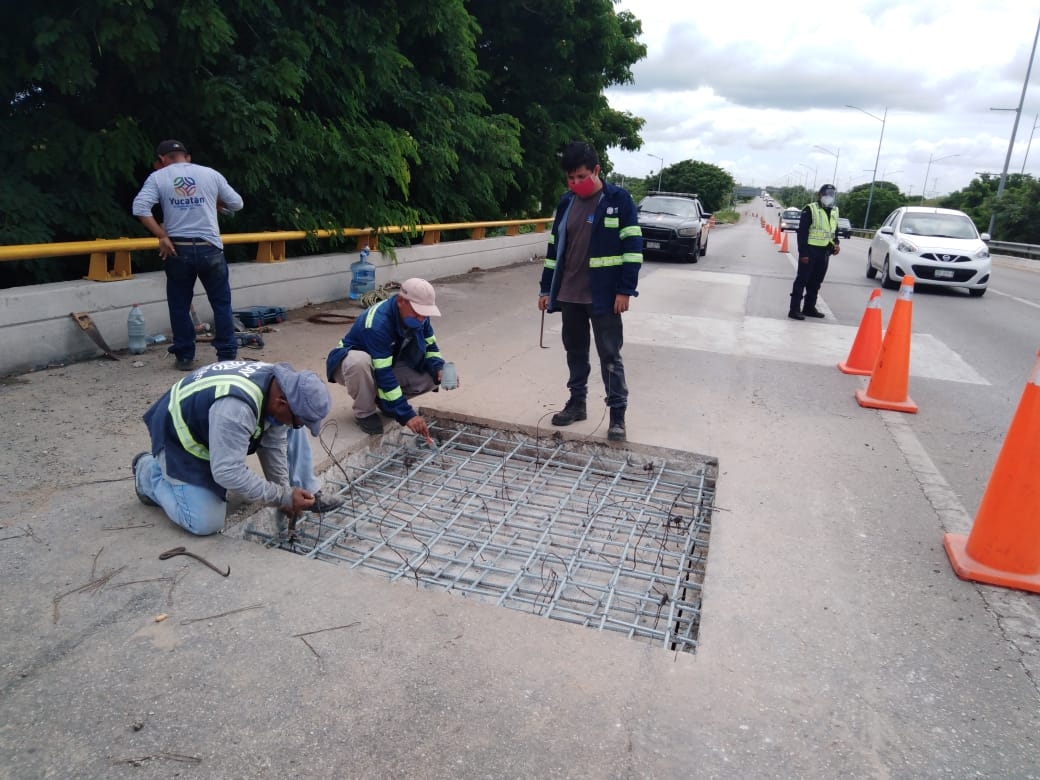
(674, 224)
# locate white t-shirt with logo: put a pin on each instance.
(188, 194)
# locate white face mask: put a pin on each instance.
(827, 201)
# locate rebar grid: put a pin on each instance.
(583, 533)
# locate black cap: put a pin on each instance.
(825, 188)
(169, 147)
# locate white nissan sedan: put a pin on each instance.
(935, 246)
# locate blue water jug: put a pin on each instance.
(135, 330)
(362, 276)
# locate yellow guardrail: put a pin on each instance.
(270, 246)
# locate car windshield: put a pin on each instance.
(792, 214)
(843, 221)
(938, 226)
(676, 207)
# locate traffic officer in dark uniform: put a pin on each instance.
(817, 241)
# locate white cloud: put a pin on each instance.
(754, 87)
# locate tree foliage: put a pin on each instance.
(323, 115)
(549, 62)
(883, 201)
(713, 185)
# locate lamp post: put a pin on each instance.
(815, 172)
(1014, 129)
(931, 159)
(835, 155)
(1036, 124)
(660, 170)
(882, 120)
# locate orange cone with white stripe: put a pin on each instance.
(867, 343)
(1003, 547)
(776, 235)
(783, 245)
(890, 377)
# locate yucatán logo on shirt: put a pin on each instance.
(184, 192)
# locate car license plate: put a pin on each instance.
(653, 244)
(942, 273)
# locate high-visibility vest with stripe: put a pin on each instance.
(823, 228)
(179, 421)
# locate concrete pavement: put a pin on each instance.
(835, 639)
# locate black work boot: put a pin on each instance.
(794, 314)
(616, 431)
(572, 412)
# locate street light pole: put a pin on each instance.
(1014, 130)
(660, 171)
(1036, 124)
(877, 158)
(924, 190)
(836, 156)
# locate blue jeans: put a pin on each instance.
(609, 335)
(200, 511)
(205, 262)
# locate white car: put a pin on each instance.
(935, 246)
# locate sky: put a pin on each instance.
(754, 87)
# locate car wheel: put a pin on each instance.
(695, 255)
(871, 270)
(704, 249)
(886, 281)
(977, 293)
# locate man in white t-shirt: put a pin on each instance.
(190, 245)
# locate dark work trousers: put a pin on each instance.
(205, 262)
(609, 335)
(809, 278)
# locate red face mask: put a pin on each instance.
(584, 188)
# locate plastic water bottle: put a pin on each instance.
(135, 330)
(449, 376)
(362, 276)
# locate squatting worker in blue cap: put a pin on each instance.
(203, 428)
(389, 355)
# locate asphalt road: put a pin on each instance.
(992, 345)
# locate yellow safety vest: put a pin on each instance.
(823, 229)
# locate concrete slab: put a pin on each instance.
(835, 640)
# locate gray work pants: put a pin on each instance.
(355, 374)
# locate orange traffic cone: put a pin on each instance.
(1003, 547)
(867, 343)
(891, 374)
(783, 245)
(776, 235)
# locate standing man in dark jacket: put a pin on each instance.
(817, 241)
(590, 273)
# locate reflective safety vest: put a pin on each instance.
(823, 228)
(179, 421)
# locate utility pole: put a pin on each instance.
(1014, 130)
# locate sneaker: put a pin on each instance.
(574, 411)
(813, 313)
(140, 496)
(323, 503)
(184, 364)
(795, 315)
(371, 425)
(616, 431)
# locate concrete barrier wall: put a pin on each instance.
(36, 330)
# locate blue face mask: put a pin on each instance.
(412, 323)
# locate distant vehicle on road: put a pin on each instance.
(844, 228)
(789, 219)
(935, 246)
(674, 224)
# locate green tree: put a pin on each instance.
(322, 116)
(853, 204)
(713, 185)
(549, 62)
